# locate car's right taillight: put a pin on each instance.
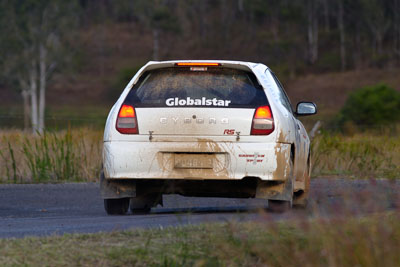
(126, 121)
(263, 121)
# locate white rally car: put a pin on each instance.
(204, 128)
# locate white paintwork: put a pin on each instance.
(146, 160)
(135, 156)
(209, 121)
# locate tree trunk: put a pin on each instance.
(378, 24)
(25, 98)
(225, 21)
(326, 15)
(42, 86)
(203, 20)
(342, 35)
(312, 29)
(379, 42)
(240, 6)
(358, 50)
(156, 46)
(275, 21)
(33, 93)
(396, 41)
(379, 32)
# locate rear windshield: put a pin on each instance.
(214, 87)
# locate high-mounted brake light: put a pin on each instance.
(197, 64)
(126, 121)
(263, 121)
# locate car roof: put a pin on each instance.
(227, 63)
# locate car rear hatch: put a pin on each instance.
(196, 100)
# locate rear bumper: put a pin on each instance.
(245, 188)
(231, 160)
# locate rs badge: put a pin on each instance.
(229, 131)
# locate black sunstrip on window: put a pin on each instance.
(214, 87)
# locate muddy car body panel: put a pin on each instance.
(211, 133)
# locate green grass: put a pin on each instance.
(372, 241)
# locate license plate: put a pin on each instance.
(193, 161)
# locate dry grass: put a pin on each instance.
(372, 241)
(362, 155)
(76, 156)
(70, 155)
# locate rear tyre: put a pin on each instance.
(117, 206)
(279, 206)
(142, 204)
(138, 211)
(300, 199)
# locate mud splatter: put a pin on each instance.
(220, 159)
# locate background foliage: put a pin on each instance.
(372, 106)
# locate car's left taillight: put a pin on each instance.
(263, 121)
(126, 121)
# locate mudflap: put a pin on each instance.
(275, 190)
(116, 188)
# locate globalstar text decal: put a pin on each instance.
(173, 102)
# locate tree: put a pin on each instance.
(396, 27)
(10, 58)
(377, 21)
(312, 30)
(327, 25)
(34, 32)
(341, 27)
(158, 16)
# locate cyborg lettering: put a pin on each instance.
(172, 102)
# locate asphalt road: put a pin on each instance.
(48, 209)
